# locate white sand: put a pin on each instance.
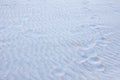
(59, 39)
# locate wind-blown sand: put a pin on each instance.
(59, 40)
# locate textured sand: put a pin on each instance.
(59, 40)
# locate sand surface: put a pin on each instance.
(59, 40)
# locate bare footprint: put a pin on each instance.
(67, 74)
(94, 64)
